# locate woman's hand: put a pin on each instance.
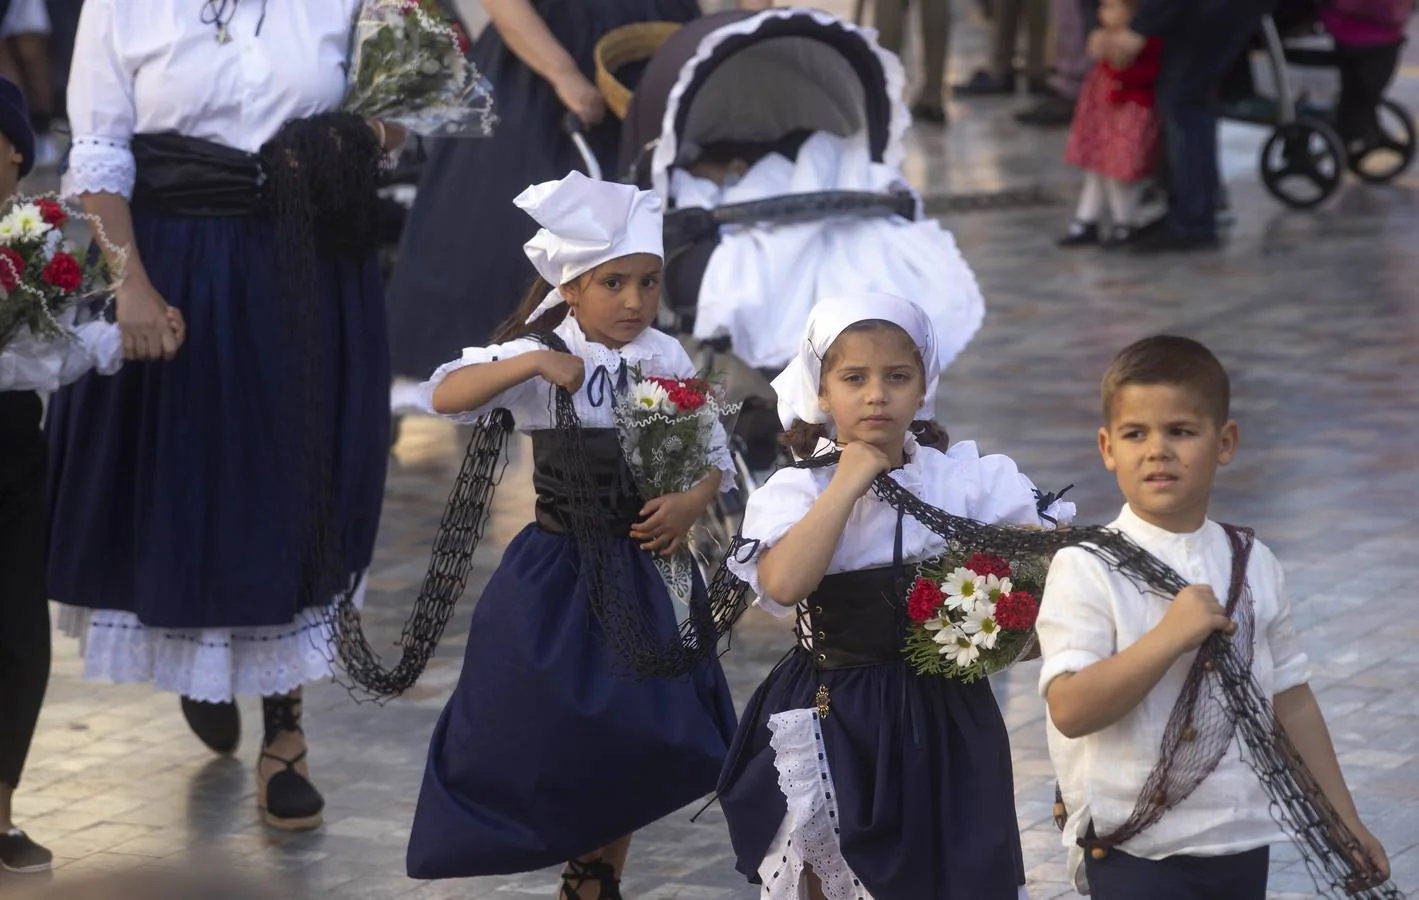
(666, 520)
(581, 97)
(148, 332)
(564, 370)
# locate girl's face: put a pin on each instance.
(1115, 14)
(872, 386)
(10, 160)
(617, 300)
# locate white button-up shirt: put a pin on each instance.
(152, 66)
(1091, 612)
(989, 489)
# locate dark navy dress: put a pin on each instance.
(545, 752)
(897, 786)
(461, 268)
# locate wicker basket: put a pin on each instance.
(620, 47)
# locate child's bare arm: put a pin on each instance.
(1081, 703)
(1300, 715)
(474, 386)
(791, 569)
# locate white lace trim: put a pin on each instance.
(209, 664)
(99, 165)
(808, 836)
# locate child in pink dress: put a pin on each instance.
(1115, 136)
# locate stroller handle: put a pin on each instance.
(576, 130)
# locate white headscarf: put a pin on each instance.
(797, 385)
(585, 223)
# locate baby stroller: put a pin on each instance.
(1304, 159)
(772, 135)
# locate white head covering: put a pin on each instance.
(585, 223)
(797, 385)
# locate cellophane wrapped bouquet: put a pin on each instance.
(409, 66)
(665, 426)
(973, 614)
(44, 283)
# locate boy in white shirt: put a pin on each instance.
(1116, 659)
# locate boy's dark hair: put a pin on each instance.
(1175, 361)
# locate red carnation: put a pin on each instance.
(461, 38)
(925, 601)
(1017, 611)
(988, 564)
(63, 272)
(52, 213)
(12, 268)
(685, 399)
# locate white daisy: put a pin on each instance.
(995, 587)
(27, 221)
(649, 397)
(957, 646)
(8, 230)
(962, 589)
(980, 625)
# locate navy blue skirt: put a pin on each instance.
(544, 753)
(175, 492)
(921, 774)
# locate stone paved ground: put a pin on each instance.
(1316, 314)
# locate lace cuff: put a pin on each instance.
(99, 165)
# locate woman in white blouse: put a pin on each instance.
(182, 505)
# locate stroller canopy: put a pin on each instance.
(746, 77)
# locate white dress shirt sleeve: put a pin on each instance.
(101, 108)
(1290, 667)
(514, 399)
(1000, 493)
(1076, 621)
(772, 510)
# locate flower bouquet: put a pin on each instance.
(972, 616)
(409, 66)
(42, 287)
(665, 426)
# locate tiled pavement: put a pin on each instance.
(1316, 314)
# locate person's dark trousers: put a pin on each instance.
(24, 609)
(1118, 876)
(63, 23)
(1196, 55)
(1090, 10)
(1365, 74)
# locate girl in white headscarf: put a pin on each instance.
(546, 753)
(852, 777)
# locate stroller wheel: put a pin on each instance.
(1386, 156)
(1302, 163)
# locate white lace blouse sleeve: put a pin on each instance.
(1001, 493)
(101, 109)
(681, 366)
(771, 511)
(515, 399)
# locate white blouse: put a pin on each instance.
(533, 402)
(152, 66)
(989, 489)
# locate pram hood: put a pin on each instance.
(756, 77)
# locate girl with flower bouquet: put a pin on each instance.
(853, 776)
(547, 752)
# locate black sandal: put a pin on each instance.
(287, 800)
(578, 873)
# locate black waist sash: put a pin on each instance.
(186, 176)
(615, 497)
(856, 618)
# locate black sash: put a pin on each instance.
(185, 176)
(613, 487)
(856, 619)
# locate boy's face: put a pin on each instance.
(1164, 447)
